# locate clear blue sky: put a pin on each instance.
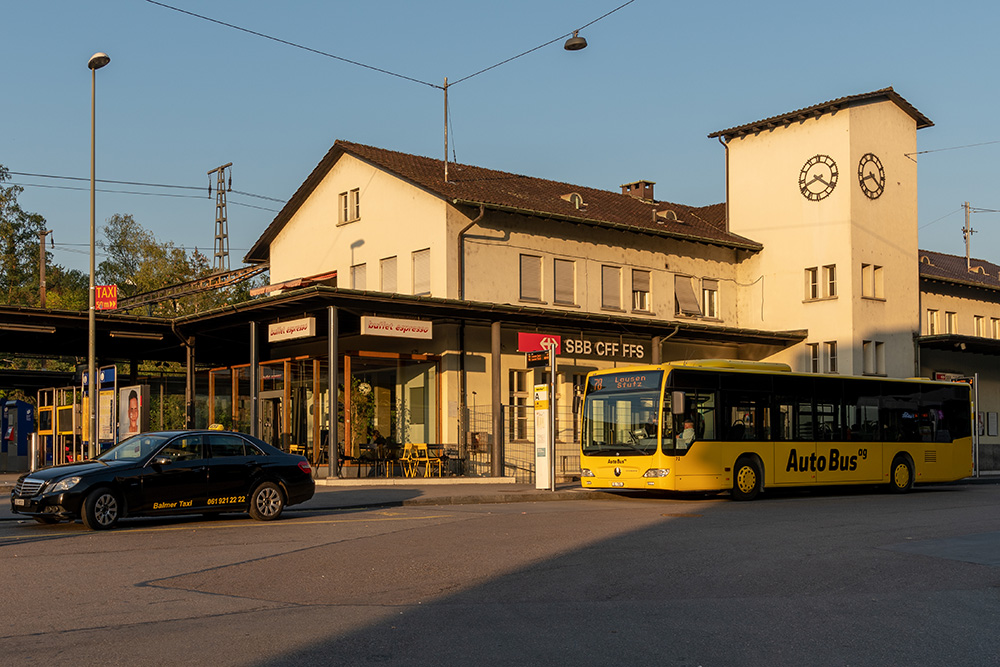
(183, 95)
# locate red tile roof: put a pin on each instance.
(471, 185)
(952, 269)
(800, 115)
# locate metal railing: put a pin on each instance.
(519, 443)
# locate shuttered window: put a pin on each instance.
(358, 277)
(422, 271)
(687, 302)
(640, 289)
(531, 278)
(564, 272)
(388, 270)
(611, 287)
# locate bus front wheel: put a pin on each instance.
(900, 475)
(748, 479)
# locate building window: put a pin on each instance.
(950, 322)
(979, 325)
(831, 356)
(611, 287)
(640, 290)
(872, 284)
(813, 349)
(387, 269)
(812, 283)
(520, 393)
(995, 327)
(358, 277)
(830, 280)
(933, 322)
(422, 271)
(710, 298)
(686, 301)
(531, 278)
(821, 285)
(350, 205)
(873, 357)
(564, 277)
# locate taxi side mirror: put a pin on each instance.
(162, 460)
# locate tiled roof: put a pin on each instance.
(500, 190)
(800, 115)
(951, 268)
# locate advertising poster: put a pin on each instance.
(133, 406)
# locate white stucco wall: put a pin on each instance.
(844, 229)
(397, 219)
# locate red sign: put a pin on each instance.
(533, 342)
(105, 297)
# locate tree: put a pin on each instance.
(19, 232)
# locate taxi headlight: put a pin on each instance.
(656, 472)
(63, 485)
(586, 472)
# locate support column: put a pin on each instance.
(656, 352)
(189, 389)
(254, 380)
(497, 448)
(333, 370)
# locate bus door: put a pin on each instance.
(794, 441)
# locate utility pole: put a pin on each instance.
(221, 261)
(42, 263)
(967, 232)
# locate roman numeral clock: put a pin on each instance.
(818, 177)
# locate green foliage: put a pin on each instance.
(19, 245)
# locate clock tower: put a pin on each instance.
(831, 193)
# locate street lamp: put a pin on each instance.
(96, 62)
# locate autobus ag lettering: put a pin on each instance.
(616, 461)
(843, 462)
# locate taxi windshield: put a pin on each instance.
(135, 448)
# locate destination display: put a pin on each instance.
(636, 380)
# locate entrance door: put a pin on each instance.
(271, 417)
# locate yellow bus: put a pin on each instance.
(718, 425)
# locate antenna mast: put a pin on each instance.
(221, 261)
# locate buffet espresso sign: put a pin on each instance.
(396, 327)
(292, 329)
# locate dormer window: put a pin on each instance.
(575, 199)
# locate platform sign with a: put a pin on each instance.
(542, 440)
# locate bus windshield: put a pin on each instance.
(621, 413)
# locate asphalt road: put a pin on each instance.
(811, 578)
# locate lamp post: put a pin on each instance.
(96, 62)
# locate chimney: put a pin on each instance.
(640, 190)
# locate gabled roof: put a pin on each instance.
(475, 186)
(816, 110)
(952, 269)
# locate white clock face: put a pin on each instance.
(818, 177)
(871, 176)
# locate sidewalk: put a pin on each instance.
(398, 492)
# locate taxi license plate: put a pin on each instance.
(20, 501)
(617, 483)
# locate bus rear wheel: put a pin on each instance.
(900, 475)
(748, 479)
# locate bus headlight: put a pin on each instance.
(656, 472)
(586, 472)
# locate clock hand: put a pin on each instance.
(819, 177)
(872, 177)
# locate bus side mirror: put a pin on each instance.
(677, 403)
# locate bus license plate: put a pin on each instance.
(617, 483)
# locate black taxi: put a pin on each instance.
(168, 472)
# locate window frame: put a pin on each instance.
(531, 266)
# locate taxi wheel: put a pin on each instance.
(101, 510)
(266, 502)
(900, 475)
(747, 479)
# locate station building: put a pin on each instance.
(427, 289)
